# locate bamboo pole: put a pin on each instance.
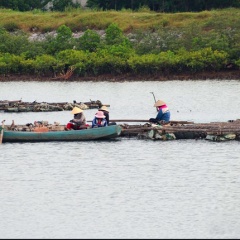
(145, 121)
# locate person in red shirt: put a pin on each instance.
(79, 120)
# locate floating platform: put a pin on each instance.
(20, 106)
(214, 131)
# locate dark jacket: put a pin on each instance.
(106, 114)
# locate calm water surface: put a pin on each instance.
(125, 188)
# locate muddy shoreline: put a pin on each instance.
(221, 75)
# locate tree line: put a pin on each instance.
(93, 55)
(29, 5)
(164, 5)
(154, 5)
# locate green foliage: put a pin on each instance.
(105, 62)
(164, 51)
(11, 26)
(12, 61)
(62, 41)
(2, 30)
(144, 8)
(72, 57)
(237, 63)
(204, 59)
(90, 41)
(123, 50)
(62, 5)
(114, 35)
(140, 5)
(13, 44)
(28, 66)
(4, 66)
(44, 63)
(34, 49)
(163, 6)
(64, 33)
(22, 5)
(153, 63)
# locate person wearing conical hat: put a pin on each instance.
(79, 120)
(105, 111)
(163, 115)
(99, 120)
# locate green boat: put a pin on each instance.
(108, 132)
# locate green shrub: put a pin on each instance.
(13, 44)
(114, 35)
(44, 64)
(90, 41)
(11, 26)
(204, 59)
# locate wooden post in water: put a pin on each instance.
(2, 131)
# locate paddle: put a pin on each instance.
(2, 128)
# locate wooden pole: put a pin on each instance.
(146, 121)
(2, 131)
(154, 99)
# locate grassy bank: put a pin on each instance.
(80, 20)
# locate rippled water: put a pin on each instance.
(125, 188)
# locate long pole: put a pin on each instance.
(1, 135)
(153, 96)
(154, 99)
(146, 121)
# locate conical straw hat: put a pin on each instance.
(76, 110)
(104, 108)
(159, 103)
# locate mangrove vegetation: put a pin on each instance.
(86, 43)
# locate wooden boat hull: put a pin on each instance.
(73, 135)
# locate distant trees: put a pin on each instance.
(155, 5)
(23, 5)
(27, 5)
(60, 5)
(163, 5)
